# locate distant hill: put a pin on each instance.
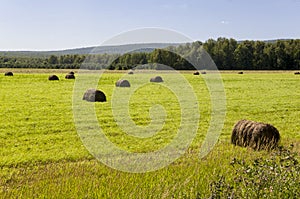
(113, 49)
(266, 41)
(118, 49)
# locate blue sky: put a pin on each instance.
(62, 24)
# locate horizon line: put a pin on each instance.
(108, 45)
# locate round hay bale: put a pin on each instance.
(71, 73)
(130, 72)
(122, 83)
(297, 73)
(156, 79)
(196, 73)
(93, 95)
(256, 135)
(9, 74)
(241, 73)
(203, 72)
(70, 76)
(53, 77)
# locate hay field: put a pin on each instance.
(41, 154)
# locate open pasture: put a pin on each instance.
(42, 155)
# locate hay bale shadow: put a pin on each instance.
(156, 79)
(53, 77)
(93, 95)
(8, 74)
(122, 83)
(256, 135)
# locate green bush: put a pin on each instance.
(275, 177)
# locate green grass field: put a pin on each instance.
(42, 156)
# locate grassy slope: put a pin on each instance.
(42, 155)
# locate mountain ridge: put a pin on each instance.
(108, 49)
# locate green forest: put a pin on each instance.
(228, 54)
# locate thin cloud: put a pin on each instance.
(225, 22)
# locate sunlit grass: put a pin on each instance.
(42, 156)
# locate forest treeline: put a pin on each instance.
(227, 54)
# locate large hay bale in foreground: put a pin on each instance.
(122, 83)
(196, 73)
(9, 74)
(156, 79)
(256, 135)
(93, 95)
(53, 77)
(70, 76)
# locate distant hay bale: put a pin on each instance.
(130, 72)
(93, 95)
(196, 73)
(53, 77)
(241, 73)
(9, 74)
(255, 135)
(297, 73)
(70, 76)
(122, 83)
(156, 79)
(203, 72)
(71, 73)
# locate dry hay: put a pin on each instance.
(93, 95)
(255, 135)
(70, 76)
(156, 79)
(9, 74)
(53, 77)
(240, 73)
(196, 73)
(122, 83)
(297, 73)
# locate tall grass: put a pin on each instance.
(42, 156)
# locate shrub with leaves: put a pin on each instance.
(275, 177)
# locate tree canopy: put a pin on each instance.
(228, 54)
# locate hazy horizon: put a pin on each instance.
(94, 46)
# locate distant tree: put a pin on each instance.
(53, 59)
(260, 58)
(244, 55)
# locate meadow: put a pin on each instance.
(42, 155)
